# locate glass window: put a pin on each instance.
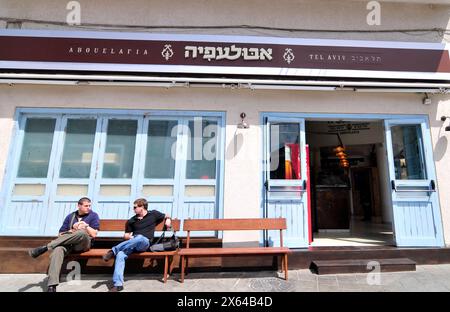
(36, 148)
(78, 149)
(285, 151)
(161, 149)
(120, 148)
(408, 153)
(201, 163)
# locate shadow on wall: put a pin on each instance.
(440, 148)
(235, 145)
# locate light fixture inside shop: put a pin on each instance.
(342, 156)
(243, 124)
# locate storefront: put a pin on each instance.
(116, 116)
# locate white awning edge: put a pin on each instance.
(236, 83)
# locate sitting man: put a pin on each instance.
(139, 232)
(75, 235)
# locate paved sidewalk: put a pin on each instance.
(426, 278)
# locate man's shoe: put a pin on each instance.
(107, 256)
(116, 289)
(51, 288)
(36, 252)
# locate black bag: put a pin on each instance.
(165, 243)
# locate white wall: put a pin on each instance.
(286, 14)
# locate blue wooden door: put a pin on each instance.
(416, 212)
(284, 192)
(173, 159)
(177, 168)
(24, 206)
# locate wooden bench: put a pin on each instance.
(119, 226)
(233, 225)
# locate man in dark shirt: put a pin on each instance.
(139, 232)
(75, 235)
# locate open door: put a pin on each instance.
(285, 192)
(416, 212)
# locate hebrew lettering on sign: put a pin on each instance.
(188, 49)
(210, 53)
(230, 53)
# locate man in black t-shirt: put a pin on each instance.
(139, 231)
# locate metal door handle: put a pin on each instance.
(266, 184)
(431, 189)
(400, 191)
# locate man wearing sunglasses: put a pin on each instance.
(139, 232)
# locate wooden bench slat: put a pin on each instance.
(98, 253)
(119, 225)
(234, 224)
(112, 225)
(233, 251)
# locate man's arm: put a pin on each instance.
(93, 226)
(84, 226)
(91, 231)
(129, 229)
(168, 221)
(128, 236)
(65, 226)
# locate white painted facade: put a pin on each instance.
(242, 164)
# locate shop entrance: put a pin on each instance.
(349, 199)
(357, 181)
(372, 183)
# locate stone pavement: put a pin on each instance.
(427, 278)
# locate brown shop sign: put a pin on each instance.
(154, 52)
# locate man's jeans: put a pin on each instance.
(122, 251)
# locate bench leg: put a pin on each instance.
(286, 267)
(171, 265)
(182, 269)
(166, 263)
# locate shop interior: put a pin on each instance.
(350, 198)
